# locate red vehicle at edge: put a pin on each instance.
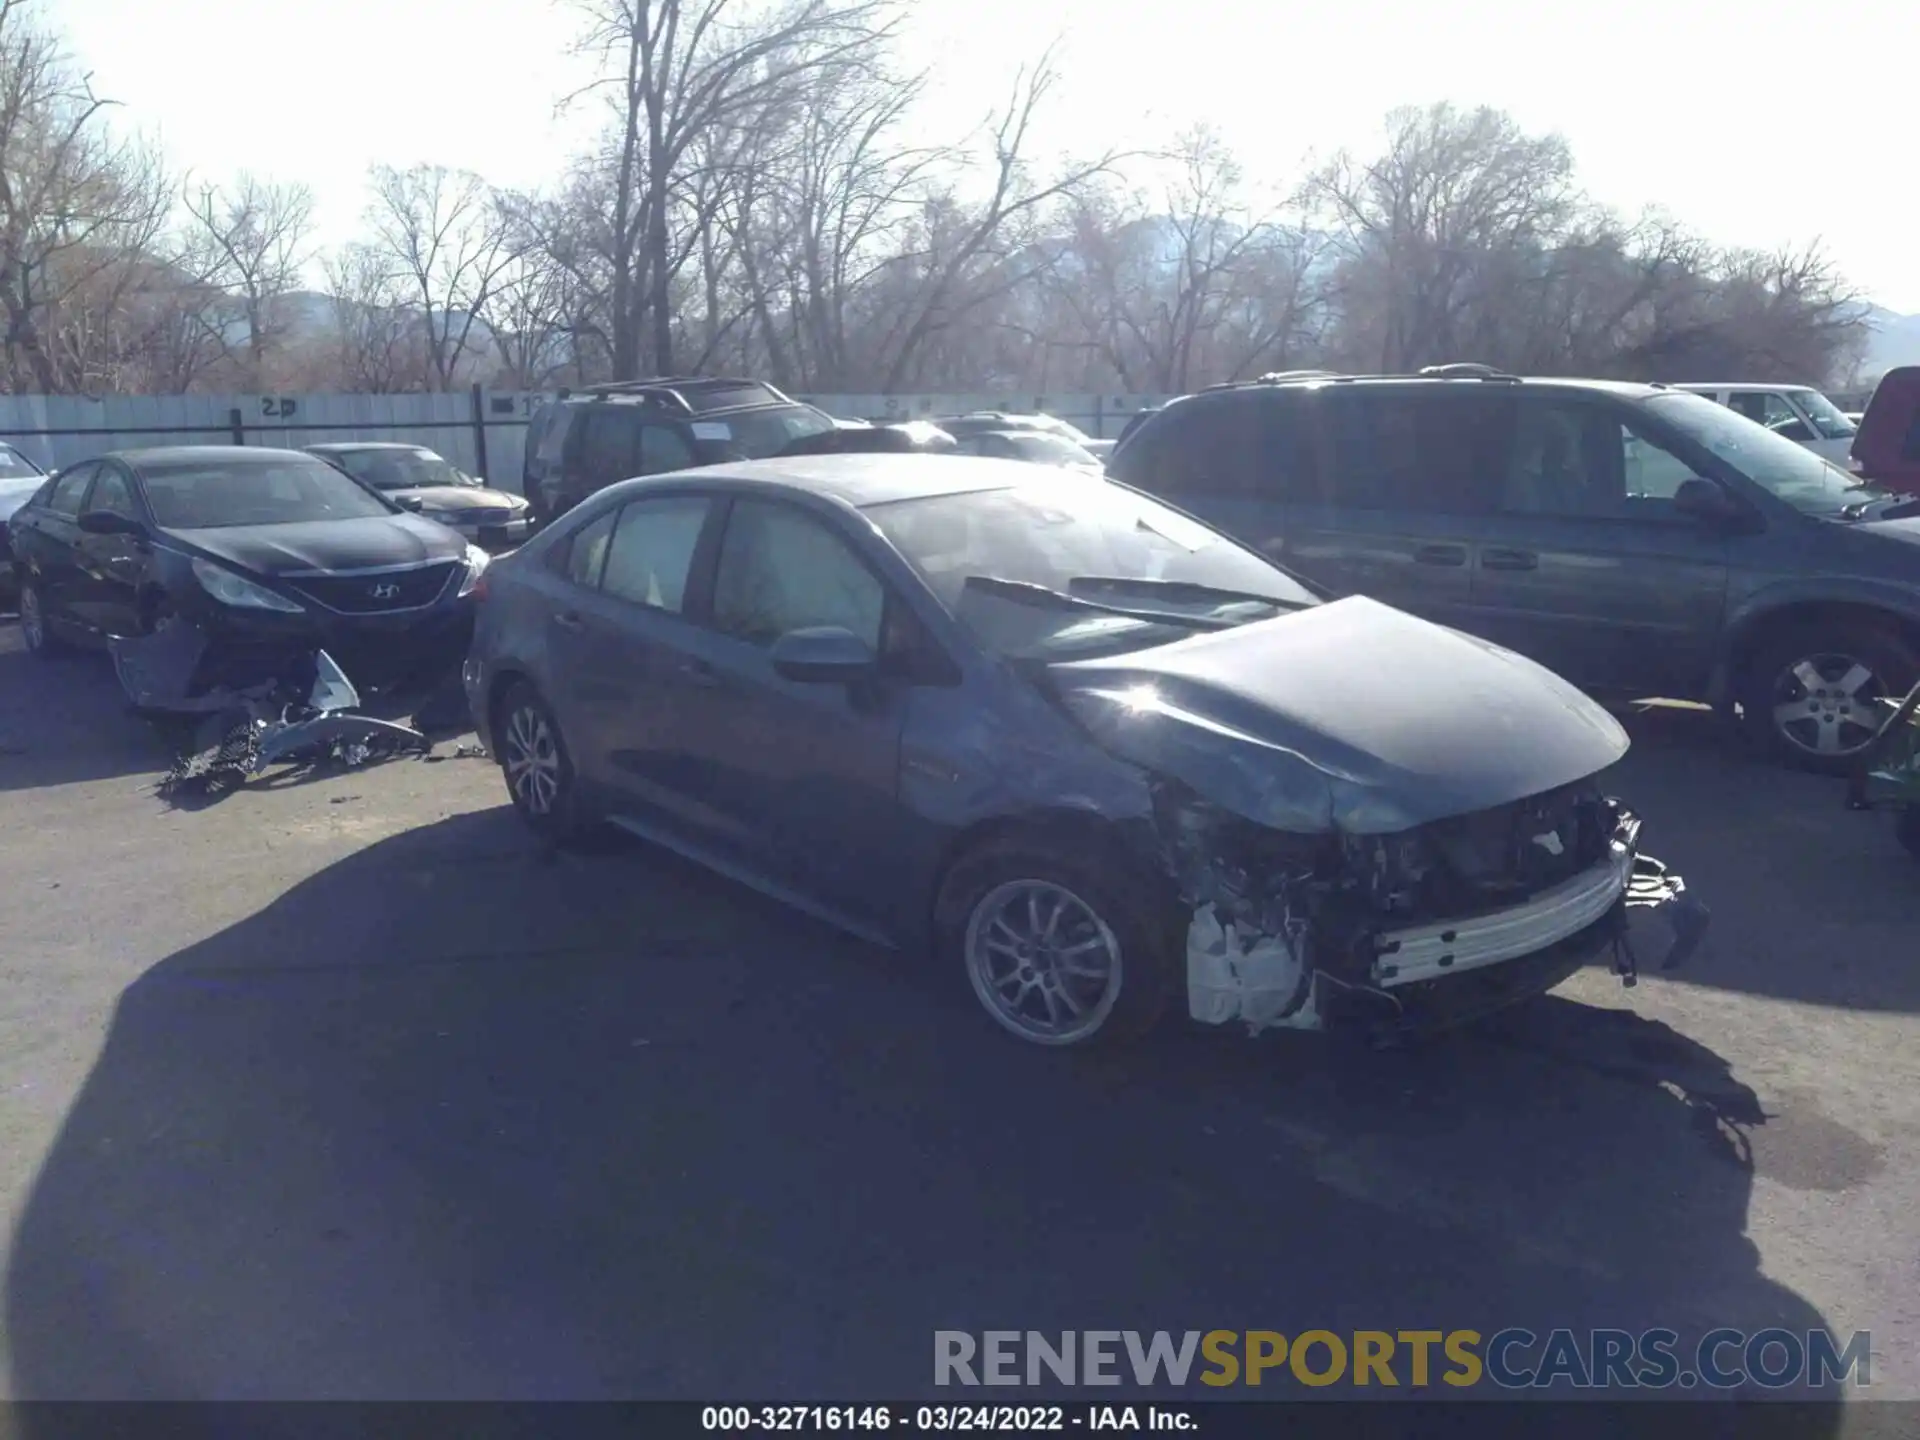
(1886, 449)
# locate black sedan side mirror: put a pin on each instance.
(1704, 500)
(823, 655)
(105, 522)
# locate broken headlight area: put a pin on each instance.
(1297, 930)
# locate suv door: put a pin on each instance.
(1586, 565)
(1405, 477)
(108, 569)
(804, 776)
(602, 448)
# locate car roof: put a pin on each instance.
(863, 480)
(341, 447)
(1628, 389)
(190, 454)
(1742, 385)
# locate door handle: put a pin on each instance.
(1440, 554)
(699, 672)
(1509, 560)
(569, 620)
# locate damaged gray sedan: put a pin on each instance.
(1093, 755)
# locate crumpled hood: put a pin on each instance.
(1351, 715)
(360, 544)
(442, 499)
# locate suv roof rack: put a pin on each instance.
(1466, 370)
(1280, 377)
(689, 394)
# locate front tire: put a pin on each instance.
(537, 767)
(1059, 950)
(1810, 694)
(35, 628)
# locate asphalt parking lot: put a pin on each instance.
(345, 1088)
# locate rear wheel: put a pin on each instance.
(35, 628)
(1059, 950)
(537, 768)
(1811, 695)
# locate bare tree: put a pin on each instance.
(249, 243)
(1452, 188)
(677, 70)
(379, 344)
(972, 255)
(75, 203)
(453, 240)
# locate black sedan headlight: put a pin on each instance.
(231, 588)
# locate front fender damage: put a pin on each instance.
(1413, 931)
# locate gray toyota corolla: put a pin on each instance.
(1083, 749)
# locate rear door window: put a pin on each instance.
(71, 488)
(587, 550)
(1436, 449)
(652, 551)
(609, 444)
(662, 448)
(112, 495)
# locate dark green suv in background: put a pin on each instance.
(584, 442)
(1640, 540)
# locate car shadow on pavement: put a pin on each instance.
(66, 721)
(458, 1117)
(1811, 902)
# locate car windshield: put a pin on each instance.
(15, 466)
(1791, 472)
(757, 434)
(215, 494)
(1046, 448)
(399, 469)
(1053, 425)
(1065, 540)
(1828, 418)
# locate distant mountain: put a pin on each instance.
(1896, 341)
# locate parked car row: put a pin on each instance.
(1088, 751)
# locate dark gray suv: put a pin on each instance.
(1637, 539)
(582, 443)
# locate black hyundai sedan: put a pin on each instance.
(256, 546)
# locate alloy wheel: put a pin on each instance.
(1042, 961)
(1824, 704)
(532, 760)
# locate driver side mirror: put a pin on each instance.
(823, 655)
(105, 522)
(1703, 500)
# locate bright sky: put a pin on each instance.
(1754, 121)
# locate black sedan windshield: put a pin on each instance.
(1087, 541)
(211, 494)
(399, 469)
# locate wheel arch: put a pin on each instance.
(1069, 827)
(1761, 626)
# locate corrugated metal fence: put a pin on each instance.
(481, 431)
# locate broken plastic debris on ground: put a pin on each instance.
(255, 709)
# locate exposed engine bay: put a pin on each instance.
(1295, 930)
